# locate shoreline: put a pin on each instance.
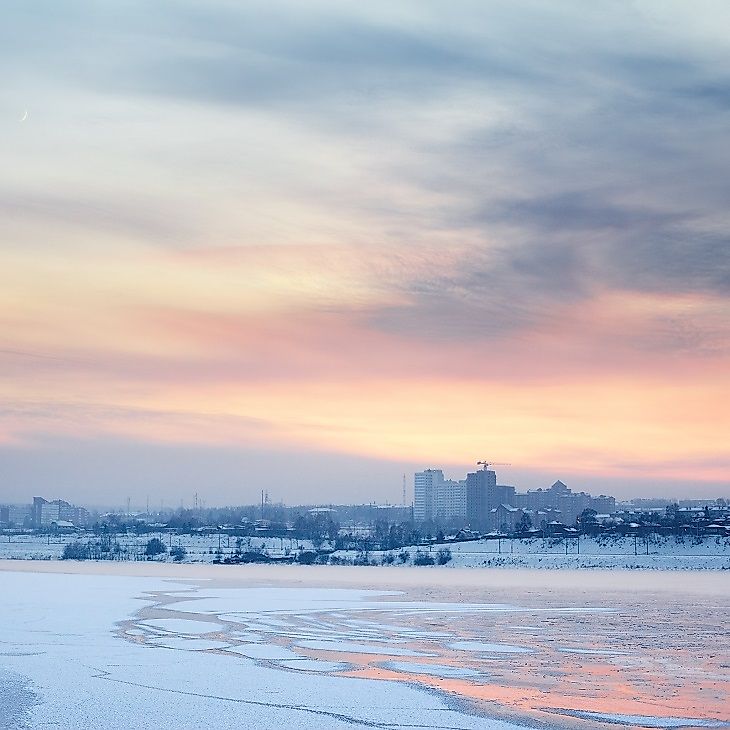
(706, 582)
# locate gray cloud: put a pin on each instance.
(574, 148)
(137, 219)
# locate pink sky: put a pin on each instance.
(500, 235)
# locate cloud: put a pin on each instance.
(134, 219)
(268, 195)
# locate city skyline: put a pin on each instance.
(308, 249)
(137, 502)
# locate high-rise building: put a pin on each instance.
(425, 485)
(504, 494)
(436, 497)
(481, 496)
(37, 511)
(44, 513)
(450, 500)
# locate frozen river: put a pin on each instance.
(138, 646)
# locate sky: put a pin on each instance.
(312, 247)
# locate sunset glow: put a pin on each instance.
(450, 257)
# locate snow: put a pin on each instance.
(16, 699)
(200, 548)
(69, 669)
(181, 626)
(87, 650)
(605, 552)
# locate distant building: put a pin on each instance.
(37, 513)
(505, 517)
(603, 504)
(450, 500)
(504, 494)
(45, 513)
(481, 496)
(437, 498)
(559, 497)
(481, 502)
(20, 515)
(425, 485)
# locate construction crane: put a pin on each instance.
(487, 464)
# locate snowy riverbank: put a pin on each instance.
(613, 552)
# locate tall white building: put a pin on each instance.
(425, 485)
(436, 497)
(450, 499)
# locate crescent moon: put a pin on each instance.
(25, 116)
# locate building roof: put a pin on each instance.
(507, 507)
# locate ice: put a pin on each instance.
(647, 720)
(597, 652)
(314, 665)
(264, 651)
(91, 679)
(181, 626)
(82, 651)
(481, 646)
(436, 670)
(245, 636)
(185, 644)
(349, 647)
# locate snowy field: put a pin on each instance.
(661, 553)
(614, 552)
(199, 548)
(134, 645)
